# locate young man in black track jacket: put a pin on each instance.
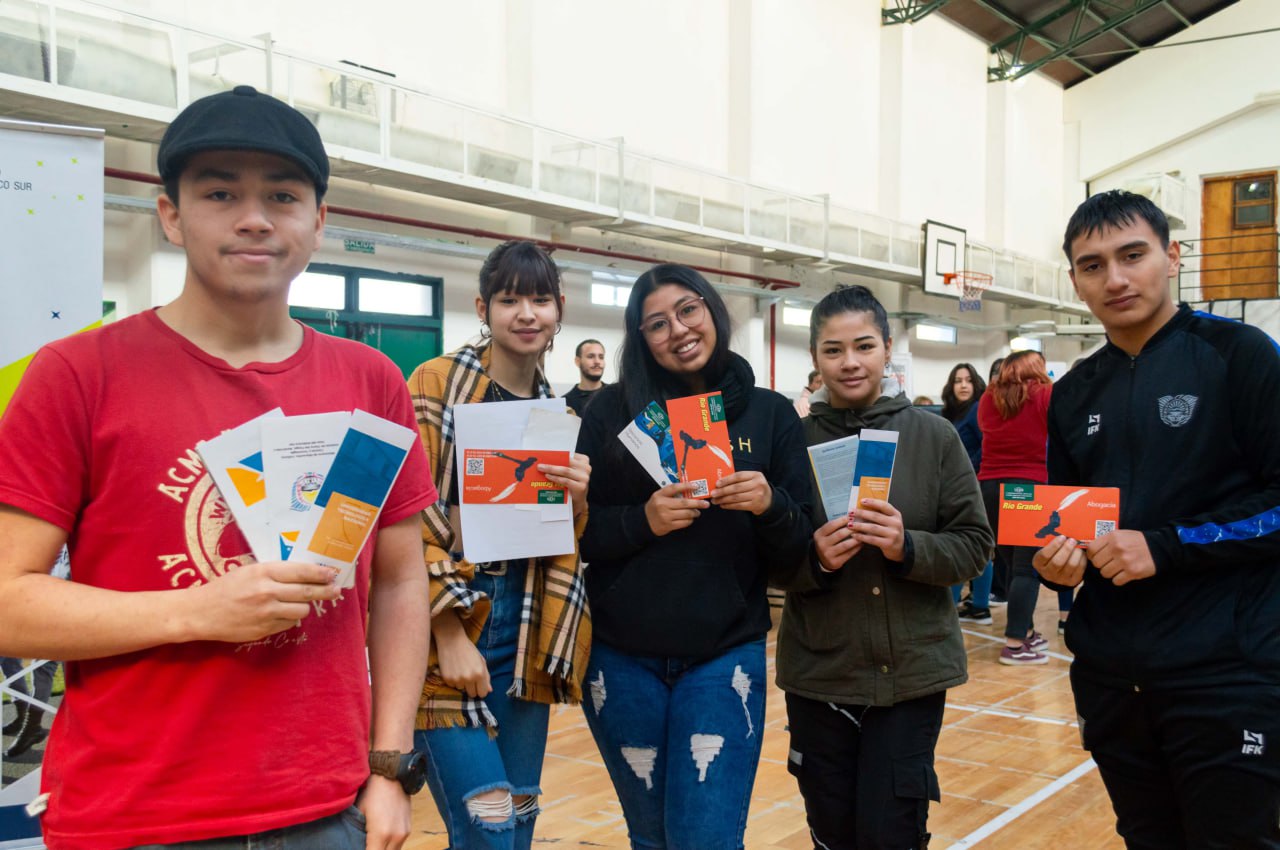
(1176, 632)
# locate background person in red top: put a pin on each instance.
(1013, 414)
(208, 695)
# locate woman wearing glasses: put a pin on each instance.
(677, 584)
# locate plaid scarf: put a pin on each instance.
(555, 628)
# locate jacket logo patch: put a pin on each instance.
(1255, 743)
(1176, 410)
(1095, 424)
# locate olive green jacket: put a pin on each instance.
(877, 632)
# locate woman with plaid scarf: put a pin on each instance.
(508, 637)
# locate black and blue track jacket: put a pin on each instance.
(1189, 430)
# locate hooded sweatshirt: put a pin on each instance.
(701, 590)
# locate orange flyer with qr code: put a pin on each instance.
(510, 477)
(700, 434)
(1033, 514)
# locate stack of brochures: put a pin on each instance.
(308, 488)
(853, 468)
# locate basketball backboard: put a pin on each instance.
(944, 253)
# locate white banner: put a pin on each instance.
(50, 239)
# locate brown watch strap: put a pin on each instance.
(385, 763)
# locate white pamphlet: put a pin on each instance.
(502, 532)
(832, 465)
(345, 510)
(296, 454)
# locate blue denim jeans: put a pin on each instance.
(343, 831)
(681, 740)
(981, 589)
(465, 762)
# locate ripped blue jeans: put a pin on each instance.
(681, 740)
(465, 762)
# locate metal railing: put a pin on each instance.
(1215, 268)
(151, 68)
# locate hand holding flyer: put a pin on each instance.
(1034, 514)
(701, 440)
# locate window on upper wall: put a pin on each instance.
(1253, 202)
(610, 295)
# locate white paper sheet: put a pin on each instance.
(502, 532)
(296, 454)
(551, 427)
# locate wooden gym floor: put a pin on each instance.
(1009, 762)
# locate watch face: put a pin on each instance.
(413, 772)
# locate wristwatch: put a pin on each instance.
(409, 769)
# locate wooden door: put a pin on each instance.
(1238, 237)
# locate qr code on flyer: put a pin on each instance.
(700, 490)
(475, 466)
(1103, 527)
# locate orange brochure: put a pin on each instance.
(1033, 514)
(510, 477)
(700, 434)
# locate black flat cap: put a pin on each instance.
(244, 119)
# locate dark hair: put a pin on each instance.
(642, 379)
(952, 407)
(847, 299)
(577, 352)
(1019, 371)
(521, 268)
(815, 373)
(1116, 208)
(994, 371)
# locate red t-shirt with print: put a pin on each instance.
(189, 741)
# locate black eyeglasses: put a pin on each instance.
(689, 313)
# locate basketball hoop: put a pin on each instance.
(972, 285)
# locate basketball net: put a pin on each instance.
(971, 285)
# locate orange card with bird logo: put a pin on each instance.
(510, 477)
(700, 435)
(1033, 514)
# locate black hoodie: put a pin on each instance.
(698, 591)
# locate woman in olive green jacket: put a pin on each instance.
(866, 654)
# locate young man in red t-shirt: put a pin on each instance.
(210, 696)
